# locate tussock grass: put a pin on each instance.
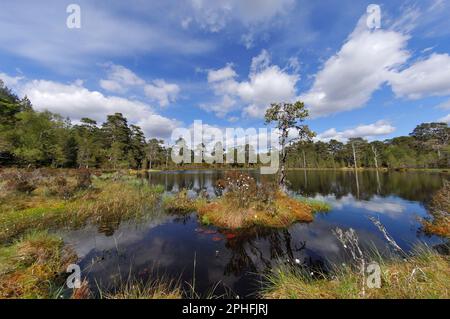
(34, 266)
(180, 203)
(424, 275)
(107, 202)
(315, 204)
(281, 212)
(160, 288)
(439, 224)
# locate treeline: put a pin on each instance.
(426, 147)
(31, 138)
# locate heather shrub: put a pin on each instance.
(20, 181)
(83, 178)
(59, 186)
(242, 190)
(238, 188)
(439, 223)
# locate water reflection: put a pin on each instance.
(170, 243)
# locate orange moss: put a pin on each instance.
(437, 227)
(282, 212)
(34, 266)
(440, 213)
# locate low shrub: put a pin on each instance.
(439, 223)
(20, 181)
(34, 267)
(179, 203)
(83, 178)
(59, 186)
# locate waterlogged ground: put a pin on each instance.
(230, 262)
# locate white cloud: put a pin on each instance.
(445, 119)
(10, 81)
(162, 92)
(429, 77)
(378, 128)
(260, 62)
(361, 66)
(294, 64)
(76, 101)
(215, 15)
(266, 84)
(37, 30)
(222, 108)
(112, 86)
(120, 79)
(223, 74)
(375, 205)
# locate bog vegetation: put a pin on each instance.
(423, 275)
(439, 223)
(95, 188)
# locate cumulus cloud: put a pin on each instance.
(367, 60)
(362, 65)
(76, 101)
(10, 81)
(368, 131)
(266, 84)
(162, 92)
(429, 77)
(221, 108)
(120, 79)
(222, 74)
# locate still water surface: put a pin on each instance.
(170, 245)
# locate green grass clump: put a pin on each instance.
(422, 276)
(180, 203)
(105, 203)
(315, 204)
(34, 266)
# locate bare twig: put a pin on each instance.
(350, 242)
(386, 235)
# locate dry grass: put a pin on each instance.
(34, 266)
(105, 204)
(245, 203)
(117, 201)
(281, 212)
(440, 211)
(425, 275)
(180, 203)
(155, 289)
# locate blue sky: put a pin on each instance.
(165, 64)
